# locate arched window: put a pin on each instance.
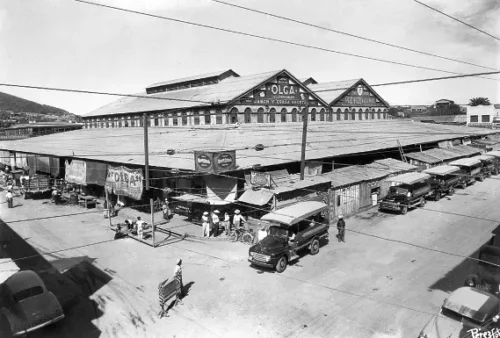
(353, 114)
(346, 114)
(339, 113)
(218, 116)
(233, 115)
(313, 114)
(156, 121)
(207, 116)
(260, 115)
(248, 114)
(272, 115)
(175, 120)
(184, 119)
(197, 118)
(283, 115)
(294, 115)
(373, 115)
(322, 114)
(367, 116)
(378, 116)
(360, 114)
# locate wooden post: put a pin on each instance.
(146, 172)
(305, 117)
(108, 205)
(152, 220)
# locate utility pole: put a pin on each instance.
(146, 172)
(305, 117)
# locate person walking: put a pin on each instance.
(205, 224)
(239, 220)
(166, 210)
(341, 228)
(178, 276)
(10, 199)
(227, 223)
(215, 223)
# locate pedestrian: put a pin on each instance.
(205, 224)
(140, 227)
(239, 220)
(10, 199)
(178, 276)
(106, 211)
(227, 223)
(341, 228)
(166, 210)
(215, 223)
(262, 233)
(55, 196)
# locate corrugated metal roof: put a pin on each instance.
(223, 91)
(409, 178)
(294, 183)
(333, 89)
(495, 153)
(392, 165)
(423, 157)
(465, 161)
(191, 78)
(355, 174)
(44, 125)
(483, 157)
(465, 150)
(441, 170)
(281, 141)
(442, 154)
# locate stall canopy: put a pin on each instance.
(199, 199)
(295, 212)
(441, 170)
(494, 153)
(468, 162)
(85, 172)
(256, 197)
(409, 178)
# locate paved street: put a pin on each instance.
(366, 287)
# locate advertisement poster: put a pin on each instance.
(124, 181)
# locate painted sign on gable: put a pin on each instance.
(360, 96)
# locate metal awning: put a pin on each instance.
(295, 213)
(468, 162)
(483, 157)
(199, 199)
(494, 153)
(441, 170)
(409, 178)
(256, 197)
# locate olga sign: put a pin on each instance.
(124, 181)
(215, 161)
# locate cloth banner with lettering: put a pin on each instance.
(124, 181)
(76, 172)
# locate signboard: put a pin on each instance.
(260, 179)
(76, 172)
(313, 169)
(360, 97)
(215, 161)
(124, 181)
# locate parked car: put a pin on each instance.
(27, 304)
(443, 180)
(277, 249)
(470, 171)
(410, 192)
(486, 275)
(488, 165)
(496, 160)
(467, 312)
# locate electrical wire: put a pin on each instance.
(348, 34)
(241, 33)
(458, 20)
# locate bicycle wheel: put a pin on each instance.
(233, 236)
(247, 238)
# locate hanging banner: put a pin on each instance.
(76, 172)
(124, 181)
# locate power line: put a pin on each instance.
(348, 34)
(261, 37)
(453, 18)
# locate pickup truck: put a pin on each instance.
(470, 171)
(410, 192)
(443, 180)
(293, 228)
(488, 164)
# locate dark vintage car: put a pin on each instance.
(496, 160)
(27, 304)
(277, 248)
(486, 275)
(466, 313)
(488, 164)
(470, 171)
(443, 180)
(410, 192)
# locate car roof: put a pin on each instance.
(441, 170)
(409, 178)
(295, 213)
(22, 280)
(472, 303)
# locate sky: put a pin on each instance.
(67, 44)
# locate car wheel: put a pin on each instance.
(452, 191)
(437, 196)
(404, 210)
(281, 266)
(314, 247)
(422, 202)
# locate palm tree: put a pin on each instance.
(480, 101)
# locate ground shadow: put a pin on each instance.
(72, 280)
(187, 288)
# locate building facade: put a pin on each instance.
(483, 116)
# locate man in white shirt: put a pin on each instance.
(10, 198)
(140, 227)
(238, 220)
(215, 222)
(262, 233)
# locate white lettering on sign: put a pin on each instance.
(280, 89)
(476, 333)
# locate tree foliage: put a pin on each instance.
(479, 101)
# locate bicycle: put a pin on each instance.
(242, 235)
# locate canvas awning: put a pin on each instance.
(199, 199)
(441, 170)
(495, 153)
(256, 197)
(295, 212)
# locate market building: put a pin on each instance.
(351, 100)
(37, 129)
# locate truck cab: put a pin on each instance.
(409, 192)
(470, 171)
(488, 165)
(496, 160)
(293, 228)
(443, 180)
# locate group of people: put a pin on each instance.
(212, 224)
(136, 227)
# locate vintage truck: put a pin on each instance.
(303, 221)
(488, 164)
(443, 180)
(470, 171)
(496, 160)
(410, 191)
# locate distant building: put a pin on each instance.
(37, 129)
(483, 116)
(443, 103)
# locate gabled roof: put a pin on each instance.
(308, 81)
(224, 92)
(331, 92)
(193, 78)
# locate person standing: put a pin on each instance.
(140, 227)
(10, 199)
(239, 220)
(215, 223)
(227, 223)
(262, 233)
(178, 276)
(166, 210)
(341, 228)
(205, 224)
